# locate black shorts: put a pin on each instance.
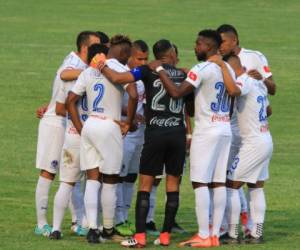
(163, 150)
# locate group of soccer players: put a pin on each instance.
(114, 117)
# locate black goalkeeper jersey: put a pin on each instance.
(161, 110)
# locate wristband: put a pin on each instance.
(189, 136)
(159, 68)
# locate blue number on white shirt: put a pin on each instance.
(100, 88)
(84, 105)
(222, 99)
(262, 112)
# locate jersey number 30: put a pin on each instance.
(222, 103)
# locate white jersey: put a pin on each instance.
(250, 60)
(252, 108)
(72, 61)
(211, 99)
(139, 133)
(103, 97)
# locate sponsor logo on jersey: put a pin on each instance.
(220, 118)
(267, 69)
(165, 122)
(264, 128)
(192, 76)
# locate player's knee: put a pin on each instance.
(111, 178)
(93, 174)
(198, 185)
(47, 175)
(234, 184)
(258, 184)
(130, 178)
(216, 184)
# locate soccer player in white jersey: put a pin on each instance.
(101, 139)
(52, 128)
(211, 136)
(133, 144)
(250, 165)
(256, 65)
(69, 171)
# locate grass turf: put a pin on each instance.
(35, 37)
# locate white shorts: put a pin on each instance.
(208, 157)
(251, 163)
(131, 157)
(101, 145)
(70, 162)
(49, 146)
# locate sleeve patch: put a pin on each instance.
(192, 76)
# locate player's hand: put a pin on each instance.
(154, 64)
(98, 61)
(185, 70)
(124, 126)
(140, 119)
(41, 111)
(217, 59)
(255, 74)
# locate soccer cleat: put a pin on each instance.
(93, 236)
(214, 241)
(56, 235)
(244, 218)
(196, 241)
(79, 230)
(137, 241)
(249, 239)
(178, 229)
(45, 230)
(124, 229)
(151, 228)
(228, 240)
(223, 231)
(111, 234)
(163, 239)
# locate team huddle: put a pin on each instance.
(115, 117)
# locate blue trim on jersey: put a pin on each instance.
(137, 73)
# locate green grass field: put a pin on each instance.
(37, 35)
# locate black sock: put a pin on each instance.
(170, 210)
(141, 211)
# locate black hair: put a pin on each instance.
(227, 28)
(141, 45)
(120, 39)
(96, 49)
(175, 48)
(226, 58)
(213, 35)
(161, 47)
(83, 38)
(103, 37)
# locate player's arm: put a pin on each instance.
(60, 109)
(229, 82)
(269, 82)
(189, 131)
(117, 77)
(269, 111)
(73, 111)
(132, 104)
(70, 74)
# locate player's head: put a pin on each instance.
(96, 49)
(235, 62)
(120, 48)
(104, 39)
(230, 38)
(163, 50)
(207, 44)
(139, 54)
(176, 52)
(86, 39)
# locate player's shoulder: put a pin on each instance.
(253, 53)
(116, 65)
(72, 60)
(203, 66)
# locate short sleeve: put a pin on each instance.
(244, 85)
(264, 65)
(61, 96)
(80, 86)
(194, 77)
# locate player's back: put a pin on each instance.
(211, 98)
(252, 109)
(72, 61)
(103, 97)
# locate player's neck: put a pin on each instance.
(237, 50)
(82, 56)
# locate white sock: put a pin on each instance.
(41, 200)
(128, 188)
(202, 210)
(219, 204)
(61, 201)
(91, 202)
(72, 210)
(244, 206)
(108, 201)
(120, 204)
(234, 210)
(78, 203)
(152, 204)
(257, 210)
